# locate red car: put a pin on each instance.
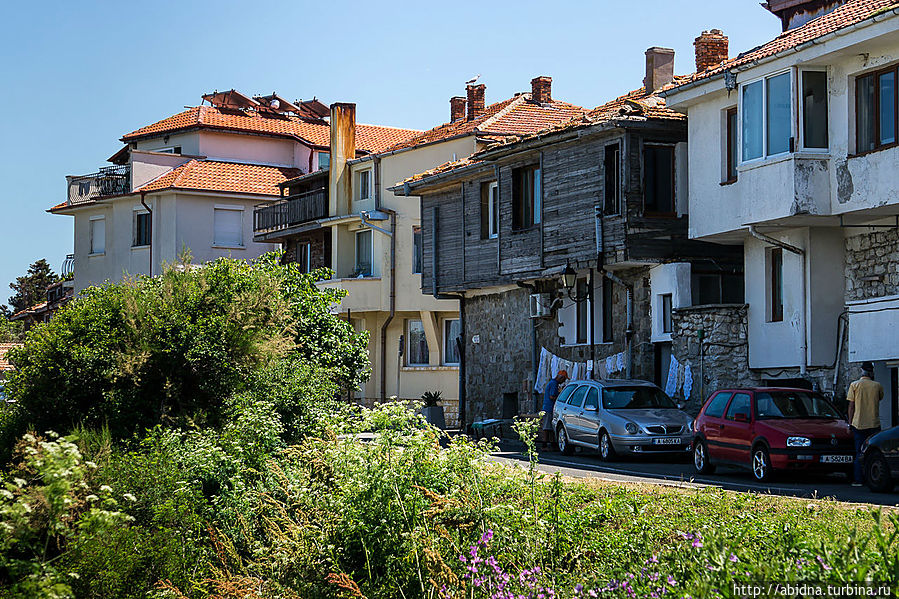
(770, 429)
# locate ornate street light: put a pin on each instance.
(569, 283)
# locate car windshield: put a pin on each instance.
(793, 404)
(635, 398)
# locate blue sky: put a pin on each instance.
(76, 76)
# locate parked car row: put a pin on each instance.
(764, 430)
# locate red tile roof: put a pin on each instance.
(850, 13)
(515, 116)
(369, 138)
(212, 175)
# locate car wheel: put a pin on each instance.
(877, 474)
(565, 446)
(701, 458)
(606, 449)
(761, 464)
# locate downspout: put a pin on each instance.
(390, 316)
(150, 212)
(803, 348)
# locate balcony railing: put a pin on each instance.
(109, 181)
(291, 211)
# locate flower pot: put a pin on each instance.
(434, 416)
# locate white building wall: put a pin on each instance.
(665, 279)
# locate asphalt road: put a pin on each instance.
(680, 472)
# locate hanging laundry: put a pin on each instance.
(688, 381)
(601, 369)
(671, 382)
(553, 366)
(542, 368)
(610, 364)
(620, 361)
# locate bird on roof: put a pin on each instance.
(471, 81)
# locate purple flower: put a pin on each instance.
(733, 558)
(823, 565)
(671, 580)
(697, 543)
(578, 588)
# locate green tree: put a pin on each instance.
(10, 330)
(31, 289)
(170, 349)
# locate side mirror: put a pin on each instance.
(741, 417)
(590, 408)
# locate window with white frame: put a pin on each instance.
(416, 344)
(766, 117)
(169, 150)
(814, 110)
(363, 253)
(98, 234)
(363, 185)
(665, 305)
(142, 229)
(452, 328)
(228, 226)
(304, 256)
(576, 318)
(489, 210)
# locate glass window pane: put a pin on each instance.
(416, 250)
(363, 253)
(494, 210)
(418, 344)
(887, 91)
(778, 107)
(732, 157)
(538, 186)
(814, 109)
(98, 236)
(752, 121)
(864, 118)
(451, 331)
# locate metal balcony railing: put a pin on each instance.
(291, 211)
(109, 181)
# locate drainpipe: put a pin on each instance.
(150, 248)
(389, 319)
(803, 348)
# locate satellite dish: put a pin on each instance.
(275, 104)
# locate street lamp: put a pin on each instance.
(569, 283)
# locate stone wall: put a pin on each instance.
(722, 359)
(874, 256)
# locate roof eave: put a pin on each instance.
(406, 188)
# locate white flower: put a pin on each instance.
(106, 488)
(20, 482)
(91, 465)
(91, 498)
(6, 494)
(129, 497)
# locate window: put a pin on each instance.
(665, 303)
(566, 393)
(489, 210)
(766, 117)
(363, 185)
(324, 161)
(142, 229)
(730, 124)
(612, 178)
(577, 398)
(716, 287)
(592, 402)
(775, 284)
(738, 405)
(171, 150)
(583, 319)
(98, 235)
(715, 409)
(304, 256)
(451, 331)
(876, 110)
(607, 299)
(228, 227)
(363, 253)
(814, 109)
(417, 344)
(417, 253)
(658, 180)
(526, 200)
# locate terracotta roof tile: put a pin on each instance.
(850, 13)
(369, 138)
(515, 116)
(212, 175)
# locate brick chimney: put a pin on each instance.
(541, 89)
(659, 68)
(343, 148)
(476, 95)
(711, 49)
(457, 108)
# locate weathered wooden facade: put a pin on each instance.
(606, 196)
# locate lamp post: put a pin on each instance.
(569, 283)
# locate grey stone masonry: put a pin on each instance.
(872, 265)
(721, 359)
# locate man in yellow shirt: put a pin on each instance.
(864, 412)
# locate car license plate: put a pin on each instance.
(837, 459)
(666, 441)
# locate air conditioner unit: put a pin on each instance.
(540, 305)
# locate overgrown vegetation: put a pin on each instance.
(260, 483)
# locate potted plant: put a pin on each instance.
(432, 410)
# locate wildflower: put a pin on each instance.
(653, 560)
(671, 580)
(129, 497)
(487, 536)
(20, 482)
(578, 588)
(697, 543)
(733, 558)
(823, 565)
(106, 488)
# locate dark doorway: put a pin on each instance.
(510, 405)
(794, 383)
(662, 362)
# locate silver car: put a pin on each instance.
(620, 417)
